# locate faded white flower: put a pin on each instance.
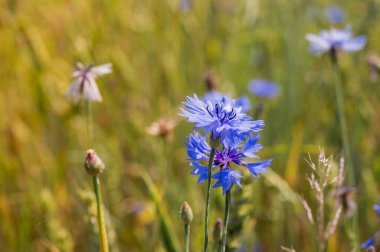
(84, 84)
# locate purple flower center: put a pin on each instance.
(225, 156)
(222, 115)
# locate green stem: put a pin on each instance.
(100, 215)
(210, 162)
(89, 124)
(96, 182)
(225, 222)
(346, 145)
(187, 237)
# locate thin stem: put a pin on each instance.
(346, 145)
(210, 162)
(187, 237)
(225, 222)
(343, 123)
(89, 124)
(101, 225)
(96, 182)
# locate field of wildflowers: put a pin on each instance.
(186, 125)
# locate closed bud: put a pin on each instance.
(186, 213)
(217, 231)
(93, 164)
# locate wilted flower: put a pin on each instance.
(344, 197)
(84, 84)
(211, 80)
(334, 40)
(263, 88)
(163, 128)
(93, 164)
(222, 118)
(374, 66)
(198, 150)
(334, 14)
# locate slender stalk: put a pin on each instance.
(210, 162)
(346, 145)
(226, 216)
(343, 123)
(187, 237)
(96, 182)
(89, 124)
(100, 216)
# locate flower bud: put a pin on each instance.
(217, 231)
(93, 164)
(186, 213)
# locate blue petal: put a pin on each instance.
(334, 14)
(226, 178)
(244, 103)
(200, 170)
(251, 146)
(354, 44)
(197, 147)
(368, 243)
(377, 208)
(259, 167)
(264, 88)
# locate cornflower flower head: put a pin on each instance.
(215, 96)
(236, 152)
(263, 88)
(334, 14)
(84, 84)
(222, 118)
(334, 40)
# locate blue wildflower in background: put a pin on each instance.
(222, 118)
(235, 152)
(334, 14)
(375, 240)
(263, 88)
(335, 40)
(215, 96)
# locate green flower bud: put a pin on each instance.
(93, 164)
(186, 213)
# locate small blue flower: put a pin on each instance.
(334, 40)
(263, 88)
(222, 118)
(199, 150)
(368, 243)
(377, 208)
(214, 96)
(334, 14)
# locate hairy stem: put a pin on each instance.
(210, 162)
(100, 216)
(225, 222)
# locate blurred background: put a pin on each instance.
(161, 51)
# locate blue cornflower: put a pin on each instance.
(375, 240)
(222, 118)
(334, 40)
(263, 88)
(215, 96)
(198, 150)
(334, 14)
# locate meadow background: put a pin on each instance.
(160, 52)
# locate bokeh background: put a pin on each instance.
(161, 51)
